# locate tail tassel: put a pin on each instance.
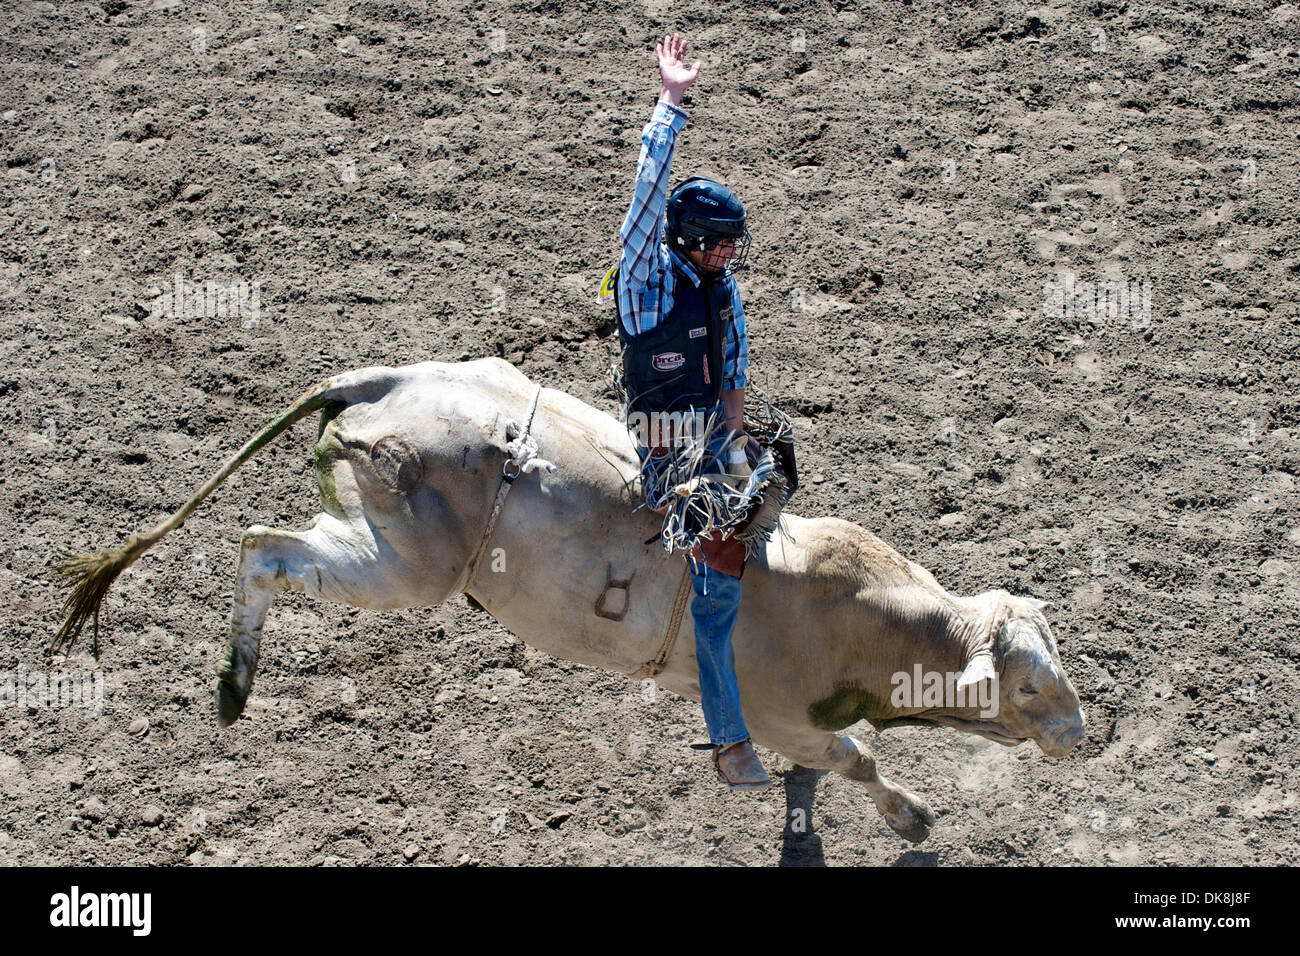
(90, 576)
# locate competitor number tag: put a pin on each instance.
(606, 292)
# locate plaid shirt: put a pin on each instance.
(646, 279)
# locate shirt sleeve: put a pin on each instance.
(642, 228)
(737, 359)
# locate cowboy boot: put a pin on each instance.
(739, 768)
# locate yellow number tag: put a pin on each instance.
(607, 286)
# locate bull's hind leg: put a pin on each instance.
(907, 814)
(332, 559)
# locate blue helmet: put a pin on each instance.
(702, 213)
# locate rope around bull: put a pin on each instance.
(523, 459)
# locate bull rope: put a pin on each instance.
(523, 459)
(652, 668)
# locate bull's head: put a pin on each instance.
(1014, 650)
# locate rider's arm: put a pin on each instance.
(737, 339)
(641, 233)
(733, 405)
(642, 263)
(737, 360)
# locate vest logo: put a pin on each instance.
(707, 380)
(667, 361)
(701, 331)
(726, 314)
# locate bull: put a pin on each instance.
(412, 463)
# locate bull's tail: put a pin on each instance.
(90, 576)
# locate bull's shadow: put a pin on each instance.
(800, 843)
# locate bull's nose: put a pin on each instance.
(1070, 737)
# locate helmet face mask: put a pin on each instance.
(702, 214)
(715, 261)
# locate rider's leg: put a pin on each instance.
(714, 609)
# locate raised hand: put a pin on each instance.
(674, 73)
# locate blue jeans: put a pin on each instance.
(714, 609)
(715, 616)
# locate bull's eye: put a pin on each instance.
(1028, 691)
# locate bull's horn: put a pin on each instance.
(979, 668)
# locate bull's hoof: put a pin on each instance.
(911, 819)
(230, 703)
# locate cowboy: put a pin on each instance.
(685, 354)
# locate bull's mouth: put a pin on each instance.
(992, 731)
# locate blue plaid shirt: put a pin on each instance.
(646, 279)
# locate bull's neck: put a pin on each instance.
(921, 632)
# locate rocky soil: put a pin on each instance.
(407, 180)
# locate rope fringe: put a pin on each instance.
(701, 503)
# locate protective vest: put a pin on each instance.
(679, 362)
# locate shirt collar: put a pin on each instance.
(686, 266)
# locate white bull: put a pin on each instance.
(835, 626)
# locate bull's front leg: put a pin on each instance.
(907, 814)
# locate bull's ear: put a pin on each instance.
(979, 668)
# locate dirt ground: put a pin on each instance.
(407, 181)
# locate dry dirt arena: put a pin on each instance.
(932, 187)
